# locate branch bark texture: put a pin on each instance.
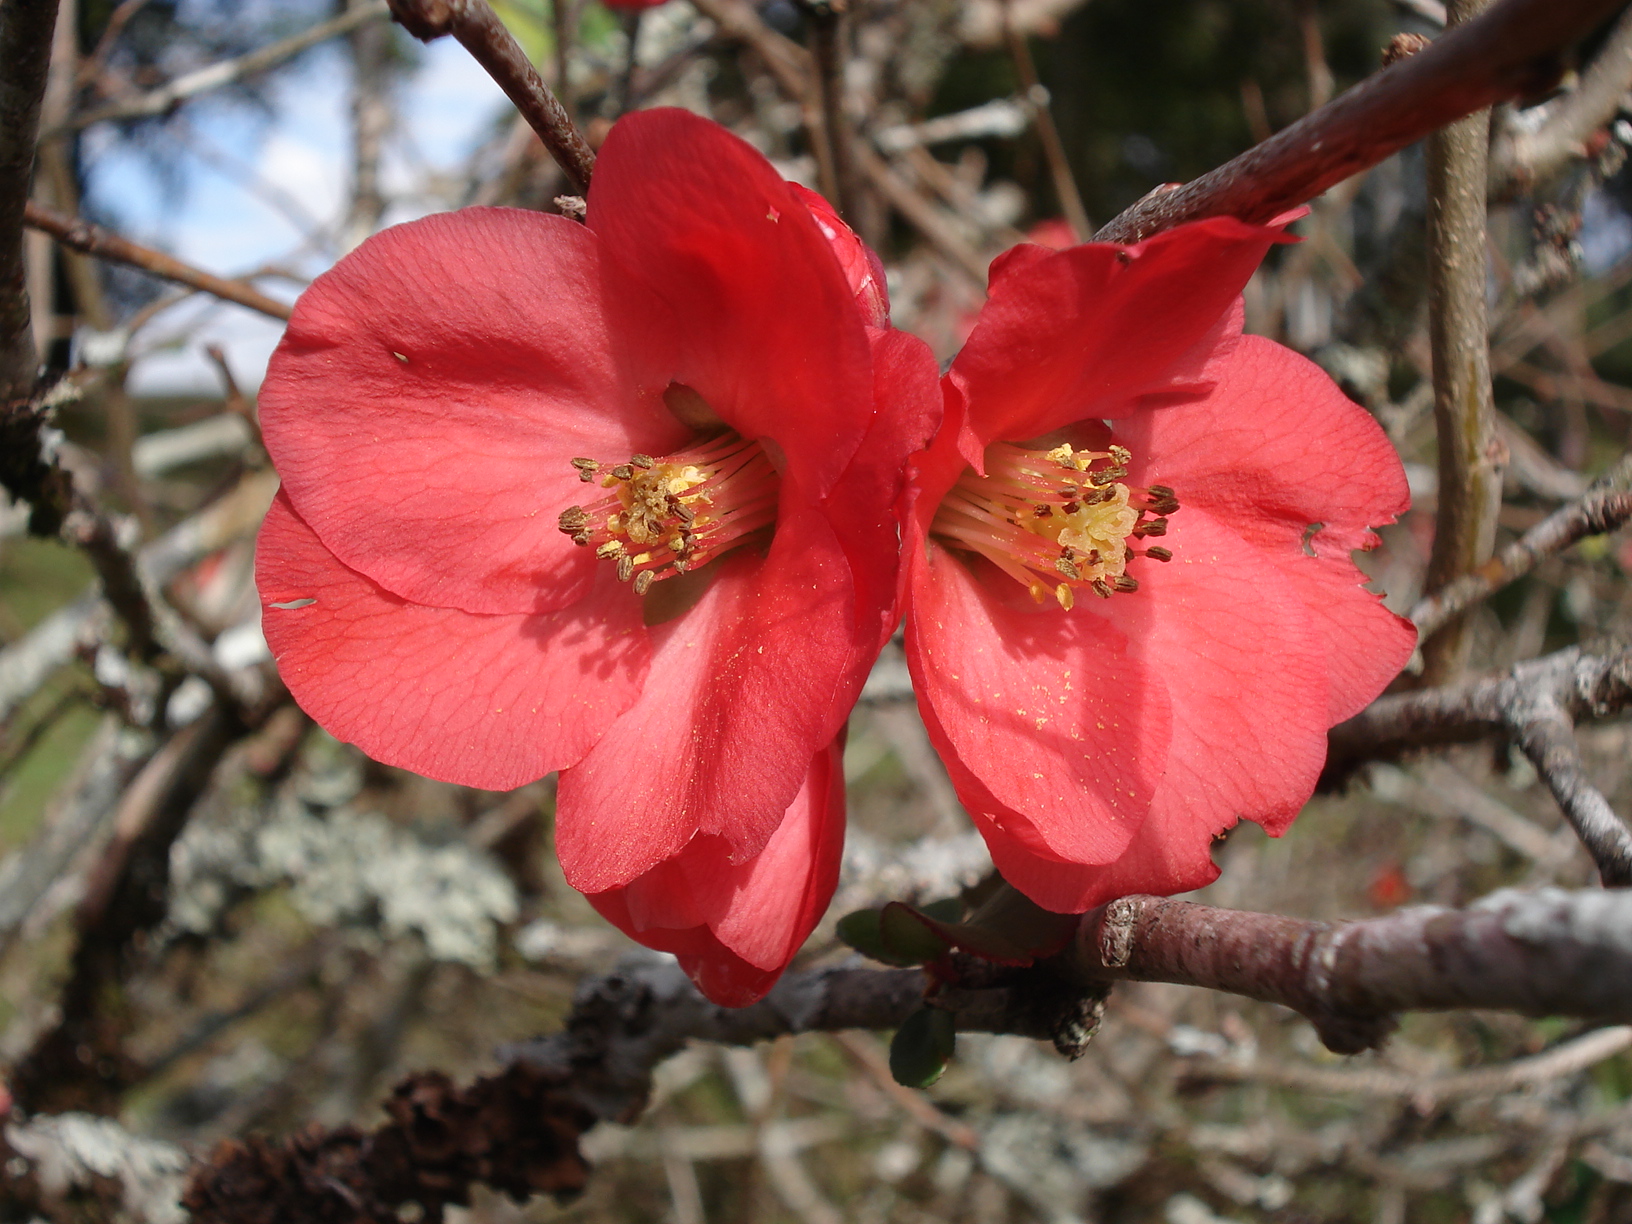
(80, 235)
(1509, 51)
(25, 57)
(1584, 686)
(1550, 952)
(1471, 453)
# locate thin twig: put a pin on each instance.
(1583, 685)
(1605, 507)
(1037, 102)
(1563, 1060)
(1509, 51)
(1471, 455)
(835, 157)
(166, 98)
(1520, 160)
(81, 235)
(1546, 733)
(479, 31)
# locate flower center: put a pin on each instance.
(1061, 518)
(665, 516)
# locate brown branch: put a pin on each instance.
(1471, 455)
(81, 235)
(1582, 685)
(1603, 508)
(1546, 733)
(25, 56)
(479, 31)
(167, 97)
(835, 163)
(1511, 50)
(1522, 160)
(1545, 953)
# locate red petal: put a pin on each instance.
(1055, 713)
(1274, 449)
(736, 926)
(863, 504)
(488, 701)
(770, 335)
(863, 269)
(744, 689)
(431, 389)
(1074, 335)
(1244, 668)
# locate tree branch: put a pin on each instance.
(25, 56)
(1521, 160)
(1549, 952)
(1583, 686)
(479, 30)
(167, 97)
(1546, 733)
(1509, 51)
(1603, 508)
(81, 235)
(1471, 454)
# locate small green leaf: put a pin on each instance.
(863, 932)
(922, 1047)
(948, 909)
(910, 936)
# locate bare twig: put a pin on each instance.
(834, 158)
(1510, 50)
(1583, 685)
(1546, 733)
(1563, 1060)
(1605, 507)
(163, 100)
(27, 663)
(924, 216)
(81, 235)
(1471, 455)
(25, 56)
(479, 30)
(1520, 160)
(113, 757)
(1037, 100)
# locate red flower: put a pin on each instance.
(611, 499)
(1133, 614)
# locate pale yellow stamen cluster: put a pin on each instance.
(1060, 519)
(666, 516)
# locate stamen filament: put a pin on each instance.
(668, 515)
(1058, 520)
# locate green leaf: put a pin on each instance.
(862, 931)
(922, 1047)
(910, 935)
(948, 909)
